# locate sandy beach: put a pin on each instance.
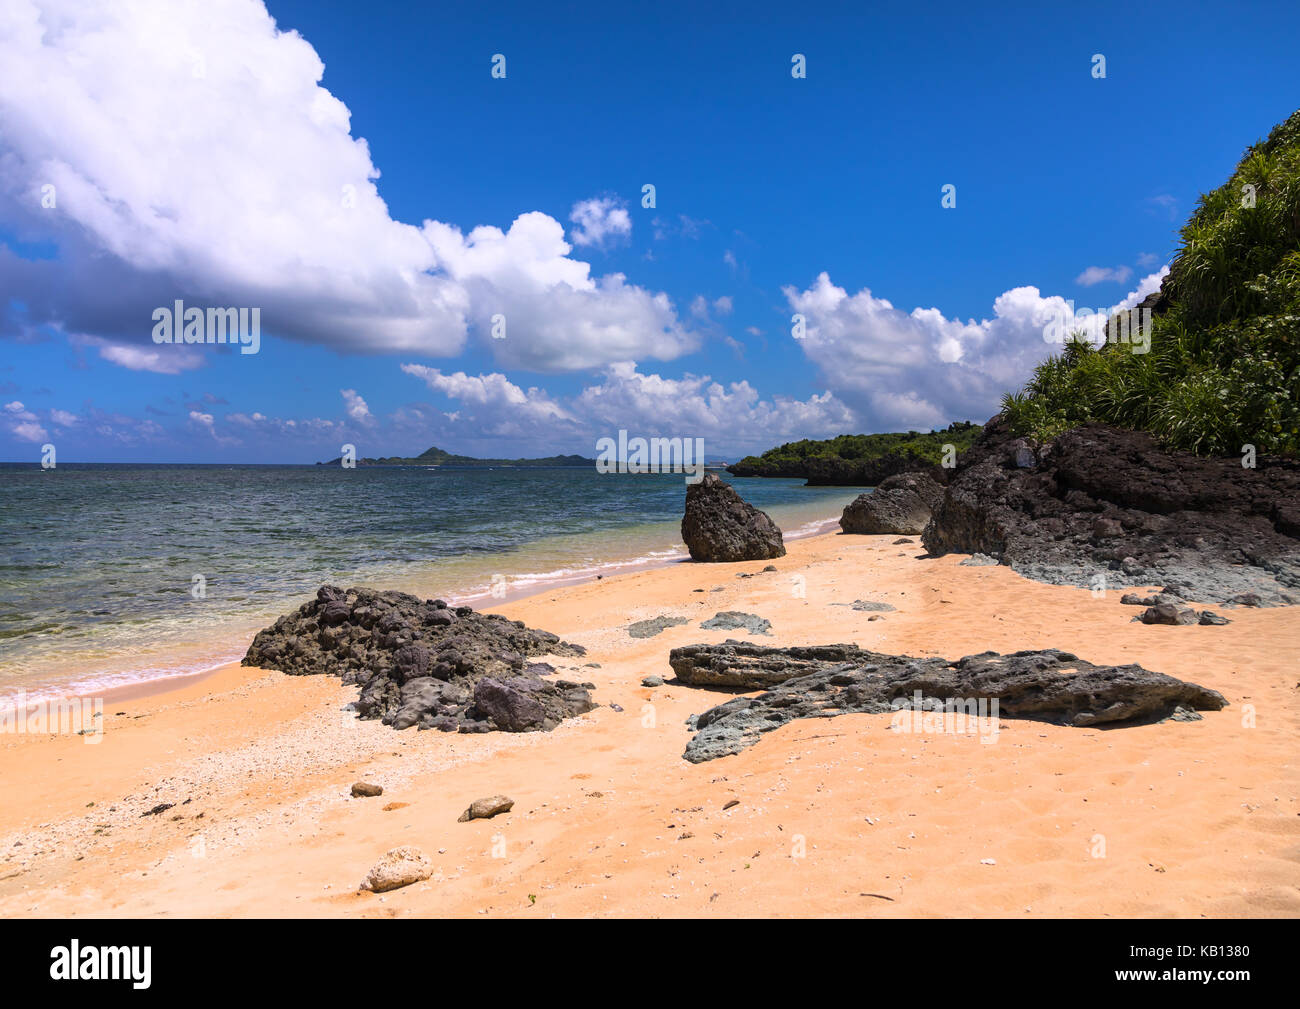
(831, 817)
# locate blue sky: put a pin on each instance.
(195, 155)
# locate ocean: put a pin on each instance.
(112, 575)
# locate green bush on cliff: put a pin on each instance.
(1223, 370)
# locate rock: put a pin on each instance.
(732, 620)
(399, 867)
(1246, 599)
(874, 607)
(755, 667)
(1105, 500)
(421, 662)
(1211, 619)
(485, 809)
(1133, 599)
(1170, 613)
(720, 526)
(900, 542)
(1108, 528)
(365, 790)
(978, 560)
(827, 680)
(655, 625)
(767, 568)
(901, 504)
(652, 681)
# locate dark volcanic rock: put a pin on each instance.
(423, 663)
(720, 526)
(655, 625)
(900, 505)
(755, 667)
(734, 620)
(1170, 613)
(1100, 500)
(828, 680)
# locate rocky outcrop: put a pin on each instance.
(901, 505)
(422, 662)
(1100, 500)
(720, 526)
(829, 680)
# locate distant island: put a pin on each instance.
(857, 460)
(438, 457)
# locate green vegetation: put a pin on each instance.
(1223, 370)
(857, 459)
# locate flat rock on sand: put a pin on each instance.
(655, 625)
(824, 681)
(399, 867)
(734, 620)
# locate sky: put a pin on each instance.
(437, 213)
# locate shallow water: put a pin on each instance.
(113, 574)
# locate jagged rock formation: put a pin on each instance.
(720, 526)
(1100, 500)
(425, 663)
(828, 680)
(901, 505)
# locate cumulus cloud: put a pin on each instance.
(920, 369)
(731, 416)
(1103, 274)
(495, 406)
(599, 220)
(557, 318)
(164, 360)
(22, 423)
(356, 407)
(282, 214)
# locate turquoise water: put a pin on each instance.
(99, 562)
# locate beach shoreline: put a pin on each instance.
(835, 817)
(116, 686)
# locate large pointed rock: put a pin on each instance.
(720, 526)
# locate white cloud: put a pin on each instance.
(356, 407)
(868, 350)
(1103, 274)
(598, 220)
(63, 418)
(164, 360)
(557, 317)
(281, 212)
(695, 406)
(500, 407)
(729, 417)
(23, 424)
